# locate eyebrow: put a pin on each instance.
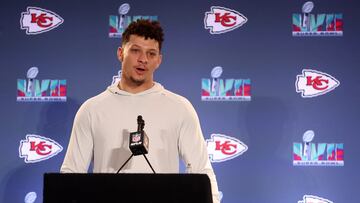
(151, 49)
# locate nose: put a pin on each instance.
(143, 58)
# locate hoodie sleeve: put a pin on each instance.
(193, 150)
(80, 149)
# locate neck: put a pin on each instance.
(134, 88)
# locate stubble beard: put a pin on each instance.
(137, 82)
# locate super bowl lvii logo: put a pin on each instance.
(321, 154)
(217, 89)
(307, 24)
(118, 23)
(33, 90)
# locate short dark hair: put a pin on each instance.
(144, 28)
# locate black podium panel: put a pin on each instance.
(126, 188)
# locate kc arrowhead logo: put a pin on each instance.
(222, 148)
(314, 83)
(220, 20)
(37, 148)
(38, 20)
(314, 199)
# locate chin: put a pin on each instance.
(137, 81)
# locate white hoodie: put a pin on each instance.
(101, 134)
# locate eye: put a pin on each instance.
(152, 54)
(134, 50)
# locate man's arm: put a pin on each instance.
(193, 148)
(80, 149)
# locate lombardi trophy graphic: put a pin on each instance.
(123, 10)
(307, 138)
(306, 9)
(215, 74)
(31, 75)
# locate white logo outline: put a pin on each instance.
(23, 25)
(303, 90)
(26, 155)
(237, 153)
(211, 27)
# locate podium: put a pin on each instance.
(126, 188)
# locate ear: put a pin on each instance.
(120, 54)
(159, 61)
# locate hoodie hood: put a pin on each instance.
(154, 89)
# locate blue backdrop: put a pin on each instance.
(287, 85)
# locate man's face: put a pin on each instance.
(140, 58)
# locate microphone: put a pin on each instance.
(138, 143)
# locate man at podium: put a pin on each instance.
(103, 123)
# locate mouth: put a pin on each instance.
(140, 70)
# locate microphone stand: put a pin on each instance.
(129, 160)
(149, 163)
(125, 163)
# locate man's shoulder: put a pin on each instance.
(185, 110)
(177, 100)
(97, 99)
(174, 97)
